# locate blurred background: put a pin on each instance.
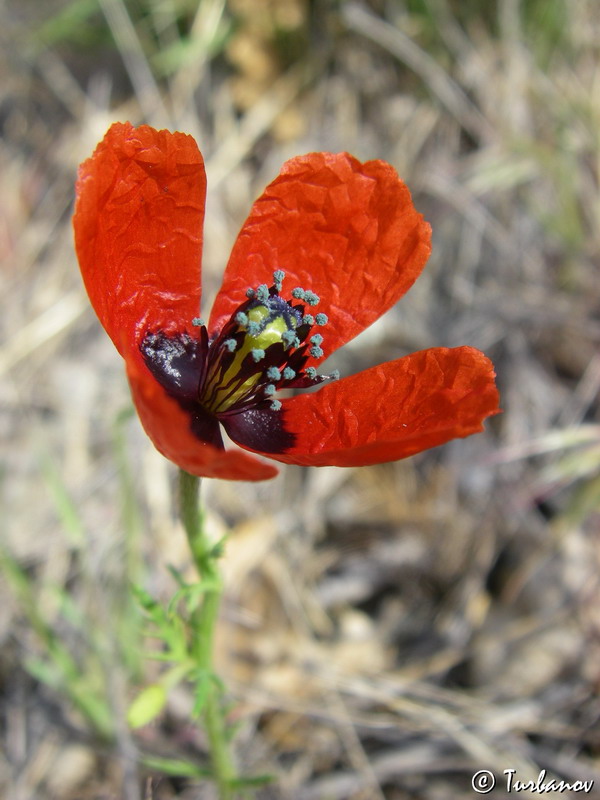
(386, 631)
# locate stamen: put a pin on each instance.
(311, 298)
(262, 293)
(197, 322)
(290, 339)
(298, 293)
(321, 319)
(268, 329)
(334, 374)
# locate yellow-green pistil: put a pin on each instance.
(262, 349)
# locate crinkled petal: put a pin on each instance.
(346, 231)
(393, 410)
(138, 231)
(170, 428)
(260, 429)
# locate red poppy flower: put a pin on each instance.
(329, 246)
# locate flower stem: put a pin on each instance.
(204, 620)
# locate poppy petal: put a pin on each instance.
(260, 429)
(393, 410)
(138, 231)
(344, 230)
(170, 428)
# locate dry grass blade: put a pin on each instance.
(203, 32)
(431, 73)
(256, 123)
(130, 48)
(54, 321)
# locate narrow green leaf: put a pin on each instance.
(175, 767)
(147, 705)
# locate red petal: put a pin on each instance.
(138, 231)
(169, 428)
(393, 410)
(345, 230)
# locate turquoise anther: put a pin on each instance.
(290, 339)
(262, 293)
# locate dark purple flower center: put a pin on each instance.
(233, 378)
